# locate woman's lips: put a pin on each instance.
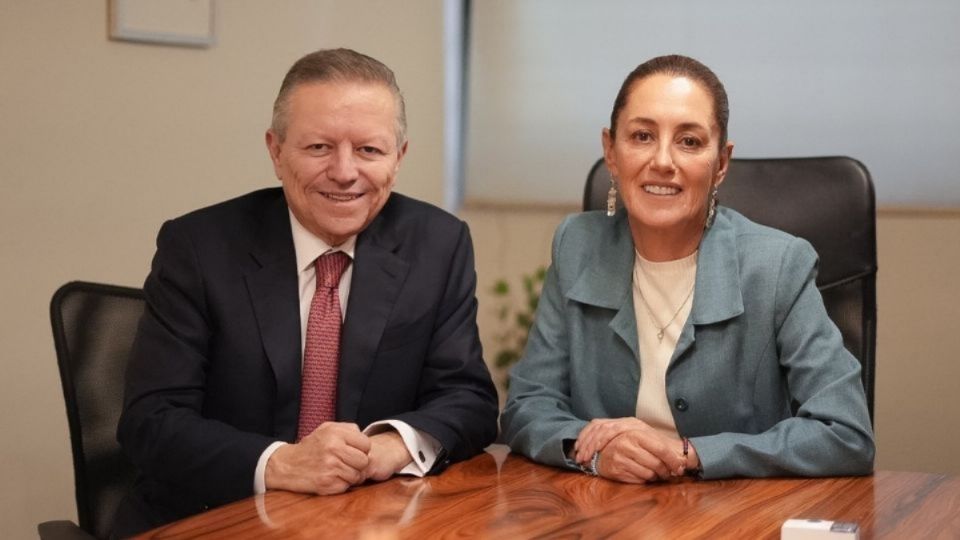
(661, 190)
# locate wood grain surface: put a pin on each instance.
(492, 497)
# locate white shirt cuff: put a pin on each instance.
(260, 475)
(423, 448)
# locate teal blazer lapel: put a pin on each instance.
(717, 295)
(606, 281)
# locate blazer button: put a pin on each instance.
(680, 404)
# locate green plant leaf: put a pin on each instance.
(506, 358)
(516, 316)
(528, 284)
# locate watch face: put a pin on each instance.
(844, 527)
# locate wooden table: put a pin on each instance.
(489, 497)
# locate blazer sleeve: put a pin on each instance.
(538, 417)
(161, 428)
(829, 433)
(457, 402)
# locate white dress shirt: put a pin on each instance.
(422, 447)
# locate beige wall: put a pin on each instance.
(102, 140)
(918, 341)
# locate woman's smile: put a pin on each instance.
(661, 190)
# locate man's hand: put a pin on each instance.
(328, 461)
(388, 455)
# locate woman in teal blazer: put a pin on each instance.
(754, 378)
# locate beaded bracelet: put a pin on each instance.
(592, 468)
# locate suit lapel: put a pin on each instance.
(378, 277)
(272, 284)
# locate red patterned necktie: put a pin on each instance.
(321, 355)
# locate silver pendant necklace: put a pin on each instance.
(660, 328)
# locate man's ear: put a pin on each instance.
(273, 148)
(402, 151)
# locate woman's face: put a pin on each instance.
(666, 157)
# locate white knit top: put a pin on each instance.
(662, 298)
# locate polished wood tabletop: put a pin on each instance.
(498, 496)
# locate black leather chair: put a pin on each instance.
(93, 330)
(829, 201)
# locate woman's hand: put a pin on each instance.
(601, 431)
(632, 451)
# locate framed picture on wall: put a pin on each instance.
(187, 23)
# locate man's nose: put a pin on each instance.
(343, 165)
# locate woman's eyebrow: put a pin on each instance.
(683, 126)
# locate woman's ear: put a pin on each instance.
(726, 154)
(606, 138)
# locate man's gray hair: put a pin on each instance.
(336, 65)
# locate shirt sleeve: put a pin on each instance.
(422, 447)
(260, 474)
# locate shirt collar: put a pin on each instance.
(309, 246)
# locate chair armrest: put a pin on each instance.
(62, 530)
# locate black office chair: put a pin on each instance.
(93, 330)
(828, 201)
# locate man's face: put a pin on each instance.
(340, 155)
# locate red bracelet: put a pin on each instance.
(686, 451)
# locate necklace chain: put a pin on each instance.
(660, 328)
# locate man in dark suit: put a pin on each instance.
(216, 408)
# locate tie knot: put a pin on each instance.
(330, 267)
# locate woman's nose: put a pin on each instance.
(663, 159)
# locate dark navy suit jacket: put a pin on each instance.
(214, 376)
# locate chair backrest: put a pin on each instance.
(93, 330)
(829, 201)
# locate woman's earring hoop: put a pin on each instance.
(612, 198)
(712, 208)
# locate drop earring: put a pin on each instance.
(712, 208)
(612, 198)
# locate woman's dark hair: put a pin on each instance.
(681, 66)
